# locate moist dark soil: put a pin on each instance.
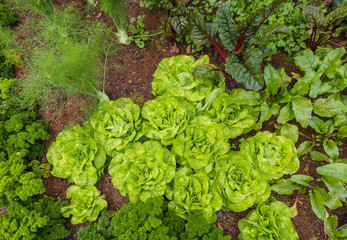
(132, 78)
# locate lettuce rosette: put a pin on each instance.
(86, 204)
(115, 124)
(182, 76)
(142, 170)
(274, 156)
(77, 157)
(268, 222)
(200, 144)
(166, 116)
(193, 191)
(238, 183)
(238, 116)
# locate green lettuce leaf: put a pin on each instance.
(200, 143)
(77, 157)
(221, 108)
(175, 76)
(86, 204)
(238, 183)
(193, 191)
(166, 116)
(115, 124)
(268, 222)
(272, 155)
(143, 170)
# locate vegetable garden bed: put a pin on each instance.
(130, 73)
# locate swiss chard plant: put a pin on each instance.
(77, 157)
(334, 178)
(268, 221)
(86, 204)
(273, 156)
(142, 170)
(322, 26)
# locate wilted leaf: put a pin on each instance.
(293, 210)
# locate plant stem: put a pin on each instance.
(150, 35)
(300, 133)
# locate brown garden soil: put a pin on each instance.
(132, 79)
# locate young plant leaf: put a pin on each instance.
(284, 186)
(289, 131)
(318, 156)
(332, 232)
(305, 147)
(328, 107)
(330, 199)
(302, 108)
(267, 111)
(286, 114)
(317, 204)
(331, 149)
(272, 80)
(335, 186)
(319, 125)
(342, 132)
(337, 170)
(302, 179)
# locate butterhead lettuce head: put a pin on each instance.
(142, 170)
(273, 156)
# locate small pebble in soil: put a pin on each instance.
(109, 83)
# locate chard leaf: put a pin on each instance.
(337, 170)
(290, 131)
(306, 60)
(319, 125)
(226, 27)
(286, 114)
(302, 179)
(331, 225)
(331, 62)
(318, 156)
(342, 132)
(330, 199)
(317, 204)
(335, 17)
(284, 186)
(331, 149)
(302, 86)
(302, 108)
(249, 75)
(266, 32)
(335, 186)
(305, 147)
(267, 111)
(328, 107)
(272, 80)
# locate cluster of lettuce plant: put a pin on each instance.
(268, 221)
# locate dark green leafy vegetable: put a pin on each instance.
(100, 230)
